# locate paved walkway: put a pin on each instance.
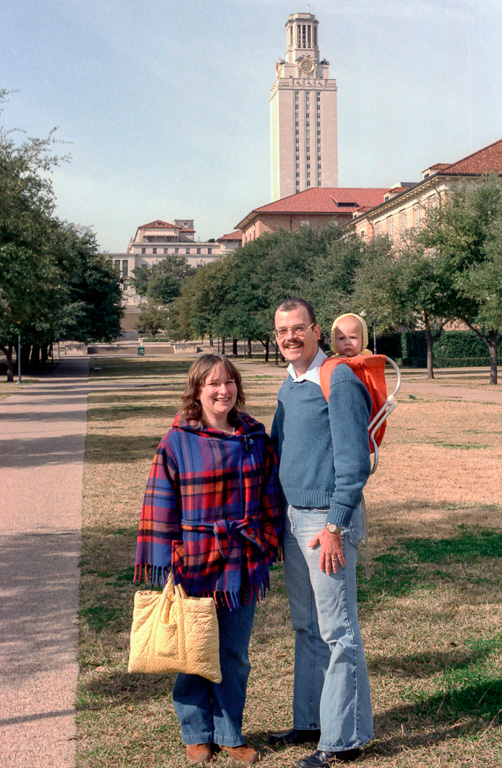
(42, 437)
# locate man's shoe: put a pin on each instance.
(243, 753)
(321, 759)
(294, 736)
(199, 753)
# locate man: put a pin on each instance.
(324, 465)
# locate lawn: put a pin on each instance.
(430, 613)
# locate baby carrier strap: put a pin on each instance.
(370, 369)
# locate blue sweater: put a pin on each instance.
(323, 446)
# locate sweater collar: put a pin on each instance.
(313, 371)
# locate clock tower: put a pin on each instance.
(303, 119)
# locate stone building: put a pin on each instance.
(403, 205)
(303, 114)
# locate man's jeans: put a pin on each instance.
(212, 712)
(331, 688)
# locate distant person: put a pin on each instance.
(349, 336)
(212, 516)
(324, 463)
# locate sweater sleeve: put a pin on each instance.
(159, 543)
(349, 408)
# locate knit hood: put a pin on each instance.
(363, 326)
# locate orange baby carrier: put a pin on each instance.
(370, 369)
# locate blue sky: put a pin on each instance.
(165, 106)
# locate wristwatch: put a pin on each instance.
(332, 528)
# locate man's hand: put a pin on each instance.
(331, 550)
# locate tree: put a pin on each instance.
(152, 319)
(464, 236)
(52, 280)
(161, 282)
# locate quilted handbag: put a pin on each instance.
(174, 633)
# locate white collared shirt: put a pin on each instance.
(312, 372)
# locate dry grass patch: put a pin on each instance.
(430, 614)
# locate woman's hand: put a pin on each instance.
(331, 550)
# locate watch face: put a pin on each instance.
(307, 65)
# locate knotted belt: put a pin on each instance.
(221, 529)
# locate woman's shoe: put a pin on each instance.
(243, 753)
(199, 753)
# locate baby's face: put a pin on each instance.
(349, 337)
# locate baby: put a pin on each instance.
(349, 336)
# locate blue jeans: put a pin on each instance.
(212, 712)
(331, 686)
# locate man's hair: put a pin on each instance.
(289, 304)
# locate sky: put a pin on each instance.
(163, 105)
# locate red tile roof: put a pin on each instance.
(237, 235)
(159, 224)
(325, 200)
(485, 160)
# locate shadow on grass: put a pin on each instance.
(121, 450)
(403, 569)
(127, 368)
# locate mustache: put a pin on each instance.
(295, 342)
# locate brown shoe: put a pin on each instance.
(243, 753)
(199, 753)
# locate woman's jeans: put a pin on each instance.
(331, 686)
(212, 712)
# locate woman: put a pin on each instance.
(212, 516)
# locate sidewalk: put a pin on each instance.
(42, 438)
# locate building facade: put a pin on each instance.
(315, 207)
(404, 205)
(303, 114)
(158, 239)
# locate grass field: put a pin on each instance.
(430, 614)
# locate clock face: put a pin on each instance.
(307, 65)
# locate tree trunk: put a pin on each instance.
(267, 349)
(492, 349)
(234, 348)
(35, 356)
(44, 354)
(211, 342)
(25, 357)
(8, 356)
(430, 342)
(222, 345)
(430, 369)
(249, 348)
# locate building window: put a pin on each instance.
(297, 123)
(298, 174)
(165, 250)
(402, 221)
(305, 223)
(390, 227)
(416, 215)
(198, 251)
(209, 250)
(125, 268)
(143, 250)
(308, 182)
(154, 250)
(297, 132)
(176, 251)
(307, 114)
(187, 251)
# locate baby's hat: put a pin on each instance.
(363, 326)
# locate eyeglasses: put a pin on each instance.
(297, 330)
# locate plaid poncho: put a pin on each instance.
(212, 511)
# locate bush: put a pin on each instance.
(453, 349)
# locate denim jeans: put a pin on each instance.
(212, 712)
(331, 686)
